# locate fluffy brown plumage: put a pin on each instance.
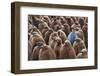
(47, 35)
(35, 39)
(82, 54)
(57, 47)
(42, 25)
(78, 45)
(67, 51)
(35, 52)
(46, 53)
(62, 35)
(35, 29)
(53, 36)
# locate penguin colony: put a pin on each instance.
(57, 37)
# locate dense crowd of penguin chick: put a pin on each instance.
(57, 37)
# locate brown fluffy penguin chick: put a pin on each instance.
(66, 29)
(57, 47)
(53, 36)
(52, 43)
(47, 20)
(62, 35)
(67, 51)
(44, 30)
(34, 29)
(46, 53)
(79, 45)
(47, 35)
(80, 34)
(35, 38)
(83, 54)
(35, 52)
(42, 25)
